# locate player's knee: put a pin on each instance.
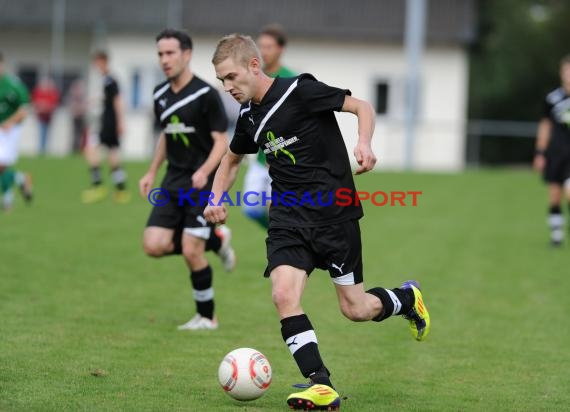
(153, 248)
(192, 254)
(283, 298)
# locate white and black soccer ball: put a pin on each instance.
(244, 374)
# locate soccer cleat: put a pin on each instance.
(121, 197)
(199, 322)
(316, 397)
(226, 252)
(94, 194)
(418, 316)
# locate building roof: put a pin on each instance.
(374, 20)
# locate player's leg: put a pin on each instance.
(6, 187)
(555, 215)
(287, 284)
(9, 149)
(196, 232)
(219, 242)
(554, 177)
(118, 174)
(566, 184)
(163, 233)
(97, 191)
(256, 180)
(286, 248)
(158, 241)
(341, 247)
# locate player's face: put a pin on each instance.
(173, 60)
(100, 65)
(565, 73)
(239, 80)
(269, 49)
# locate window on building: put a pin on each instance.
(29, 76)
(382, 97)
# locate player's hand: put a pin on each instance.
(364, 157)
(145, 184)
(216, 214)
(199, 179)
(539, 162)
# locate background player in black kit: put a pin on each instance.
(552, 155)
(108, 133)
(193, 141)
(293, 119)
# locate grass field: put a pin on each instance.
(87, 322)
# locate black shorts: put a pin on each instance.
(185, 217)
(336, 248)
(109, 139)
(557, 169)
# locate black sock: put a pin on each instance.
(203, 291)
(96, 179)
(395, 301)
(214, 242)
(556, 223)
(119, 177)
(300, 337)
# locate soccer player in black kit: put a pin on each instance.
(109, 133)
(552, 155)
(193, 141)
(293, 120)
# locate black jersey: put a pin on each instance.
(295, 126)
(557, 109)
(188, 119)
(109, 116)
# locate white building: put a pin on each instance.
(356, 45)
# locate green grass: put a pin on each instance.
(78, 295)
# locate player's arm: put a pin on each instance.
(16, 117)
(119, 114)
(200, 177)
(146, 182)
(366, 122)
(542, 140)
(223, 181)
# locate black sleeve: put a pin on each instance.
(319, 97)
(215, 112)
(156, 114)
(242, 143)
(112, 88)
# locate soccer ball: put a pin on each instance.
(245, 374)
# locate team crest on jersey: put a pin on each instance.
(178, 130)
(277, 145)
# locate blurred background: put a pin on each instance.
(455, 83)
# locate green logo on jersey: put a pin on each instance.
(175, 122)
(278, 147)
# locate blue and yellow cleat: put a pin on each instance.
(418, 316)
(315, 398)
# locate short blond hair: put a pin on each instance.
(239, 47)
